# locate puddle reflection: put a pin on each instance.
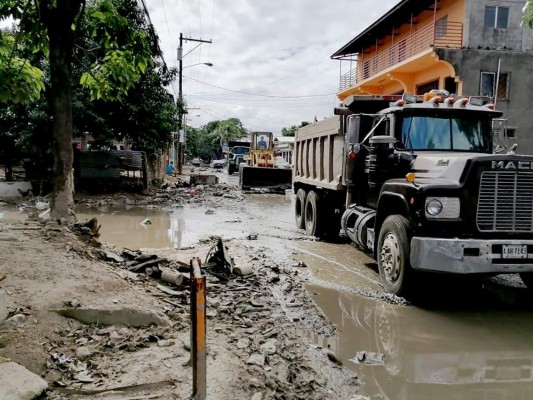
(179, 227)
(428, 354)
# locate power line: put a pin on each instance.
(168, 27)
(187, 16)
(261, 95)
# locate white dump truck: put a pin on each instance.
(416, 184)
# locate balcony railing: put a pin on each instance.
(440, 35)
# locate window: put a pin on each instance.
(441, 27)
(496, 17)
(487, 85)
(446, 133)
(427, 86)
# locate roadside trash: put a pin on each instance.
(146, 222)
(368, 358)
(174, 278)
(41, 205)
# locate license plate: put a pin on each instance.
(514, 251)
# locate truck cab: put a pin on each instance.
(423, 191)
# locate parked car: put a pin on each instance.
(196, 162)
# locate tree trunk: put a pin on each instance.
(58, 19)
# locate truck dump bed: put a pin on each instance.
(319, 152)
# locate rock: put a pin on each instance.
(12, 324)
(174, 278)
(257, 396)
(243, 343)
(122, 316)
(165, 343)
(333, 358)
(109, 255)
(243, 270)
(83, 352)
(17, 383)
(269, 347)
(256, 359)
(4, 312)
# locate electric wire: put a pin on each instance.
(261, 95)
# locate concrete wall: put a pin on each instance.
(514, 37)
(518, 109)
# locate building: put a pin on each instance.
(468, 47)
(283, 145)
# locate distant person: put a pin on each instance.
(262, 144)
(170, 169)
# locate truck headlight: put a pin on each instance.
(443, 207)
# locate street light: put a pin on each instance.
(207, 63)
(180, 93)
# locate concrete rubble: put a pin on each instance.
(124, 321)
(17, 383)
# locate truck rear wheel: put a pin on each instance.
(299, 208)
(312, 215)
(231, 169)
(393, 255)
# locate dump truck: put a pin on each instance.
(261, 169)
(416, 184)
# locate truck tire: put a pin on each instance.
(312, 215)
(299, 208)
(393, 255)
(231, 169)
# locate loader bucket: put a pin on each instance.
(261, 177)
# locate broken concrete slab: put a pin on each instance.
(17, 383)
(129, 316)
(14, 189)
(200, 179)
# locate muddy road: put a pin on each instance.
(460, 340)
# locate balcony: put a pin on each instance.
(440, 35)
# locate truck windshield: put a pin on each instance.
(449, 133)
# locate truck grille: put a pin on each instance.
(505, 202)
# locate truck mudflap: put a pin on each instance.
(263, 177)
(471, 256)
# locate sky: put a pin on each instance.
(271, 58)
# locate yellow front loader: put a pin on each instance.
(261, 170)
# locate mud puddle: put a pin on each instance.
(408, 352)
(261, 215)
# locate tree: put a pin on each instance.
(291, 131)
(527, 17)
(51, 26)
(225, 131)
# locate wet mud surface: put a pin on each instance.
(313, 321)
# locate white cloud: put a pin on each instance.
(265, 47)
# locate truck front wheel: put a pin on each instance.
(299, 209)
(312, 215)
(527, 278)
(393, 255)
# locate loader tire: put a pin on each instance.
(299, 209)
(313, 215)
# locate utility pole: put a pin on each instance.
(181, 109)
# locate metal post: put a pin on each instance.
(180, 100)
(198, 330)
